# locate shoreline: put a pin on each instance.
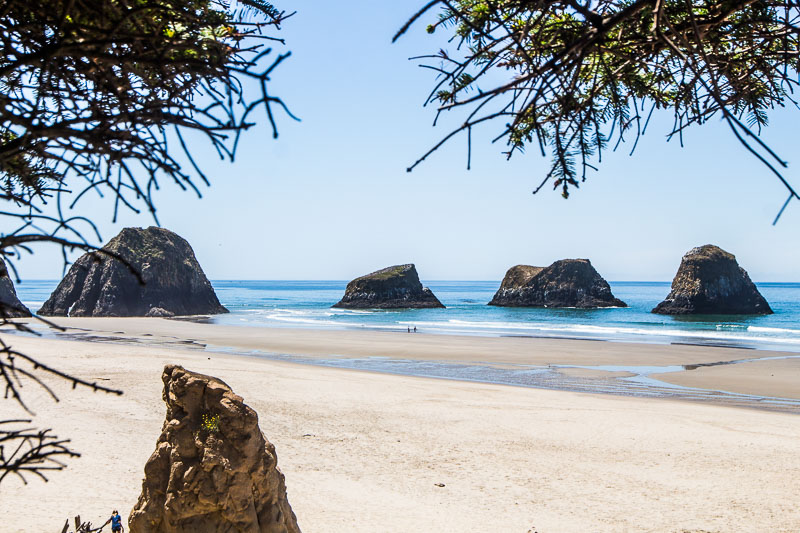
(618, 334)
(363, 452)
(603, 367)
(306, 304)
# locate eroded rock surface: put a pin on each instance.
(99, 285)
(710, 281)
(394, 287)
(12, 307)
(213, 471)
(565, 283)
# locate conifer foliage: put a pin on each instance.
(575, 77)
(111, 98)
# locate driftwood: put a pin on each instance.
(80, 527)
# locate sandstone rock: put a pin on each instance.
(99, 285)
(395, 287)
(12, 307)
(710, 281)
(565, 283)
(212, 471)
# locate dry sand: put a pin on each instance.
(364, 452)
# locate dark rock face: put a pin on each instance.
(12, 307)
(212, 471)
(395, 287)
(710, 281)
(565, 283)
(99, 285)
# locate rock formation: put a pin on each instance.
(710, 281)
(212, 471)
(12, 307)
(395, 287)
(100, 285)
(565, 283)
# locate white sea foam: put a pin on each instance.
(731, 333)
(762, 329)
(613, 331)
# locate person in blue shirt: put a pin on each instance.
(116, 522)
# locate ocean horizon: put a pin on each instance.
(307, 304)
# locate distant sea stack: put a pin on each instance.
(12, 307)
(711, 282)
(395, 287)
(565, 283)
(99, 285)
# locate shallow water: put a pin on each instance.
(640, 384)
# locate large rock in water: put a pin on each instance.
(11, 306)
(212, 471)
(395, 287)
(710, 281)
(565, 283)
(99, 285)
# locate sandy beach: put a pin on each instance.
(367, 452)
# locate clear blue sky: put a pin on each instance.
(330, 199)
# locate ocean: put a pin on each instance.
(307, 304)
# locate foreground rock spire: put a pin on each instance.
(565, 283)
(99, 285)
(394, 287)
(710, 281)
(12, 307)
(213, 471)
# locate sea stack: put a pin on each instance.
(711, 282)
(212, 471)
(565, 283)
(11, 306)
(395, 287)
(100, 285)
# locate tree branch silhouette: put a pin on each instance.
(577, 77)
(112, 100)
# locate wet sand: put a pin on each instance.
(780, 377)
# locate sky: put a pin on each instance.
(331, 199)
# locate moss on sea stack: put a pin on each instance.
(565, 283)
(710, 281)
(99, 285)
(394, 287)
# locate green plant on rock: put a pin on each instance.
(210, 423)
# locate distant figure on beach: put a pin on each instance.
(116, 522)
(409, 329)
(415, 329)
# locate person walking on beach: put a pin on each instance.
(116, 522)
(415, 329)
